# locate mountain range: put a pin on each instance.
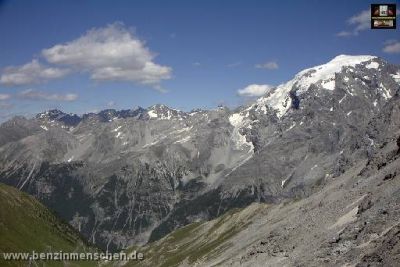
(132, 177)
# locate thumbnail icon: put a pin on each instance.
(383, 16)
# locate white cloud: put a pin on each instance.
(32, 94)
(30, 73)
(112, 53)
(254, 90)
(270, 65)
(344, 34)
(196, 64)
(392, 47)
(359, 22)
(4, 97)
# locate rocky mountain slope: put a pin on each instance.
(353, 221)
(27, 225)
(127, 177)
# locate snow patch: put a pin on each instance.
(165, 115)
(372, 65)
(386, 92)
(371, 141)
(151, 144)
(186, 129)
(327, 71)
(183, 140)
(291, 126)
(237, 121)
(117, 129)
(152, 114)
(329, 85)
(283, 183)
(396, 77)
(44, 127)
(279, 98)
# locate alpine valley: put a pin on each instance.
(306, 175)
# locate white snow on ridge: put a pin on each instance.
(291, 126)
(329, 85)
(372, 65)
(151, 144)
(152, 114)
(237, 120)
(44, 127)
(183, 140)
(396, 77)
(168, 116)
(278, 98)
(386, 92)
(327, 71)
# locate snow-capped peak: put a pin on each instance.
(163, 112)
(325, 73)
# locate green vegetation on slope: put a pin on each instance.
(198, 241)
(26, 225)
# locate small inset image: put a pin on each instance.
(383, 16)
(381, 23)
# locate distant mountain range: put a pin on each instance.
(127, 177)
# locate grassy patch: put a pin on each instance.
(196, 242)
(26, 225)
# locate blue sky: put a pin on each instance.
(83, 56)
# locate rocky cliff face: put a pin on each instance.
(352, 221)
(126, 177)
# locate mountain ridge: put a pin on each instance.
(127, 180)
(333, 66)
